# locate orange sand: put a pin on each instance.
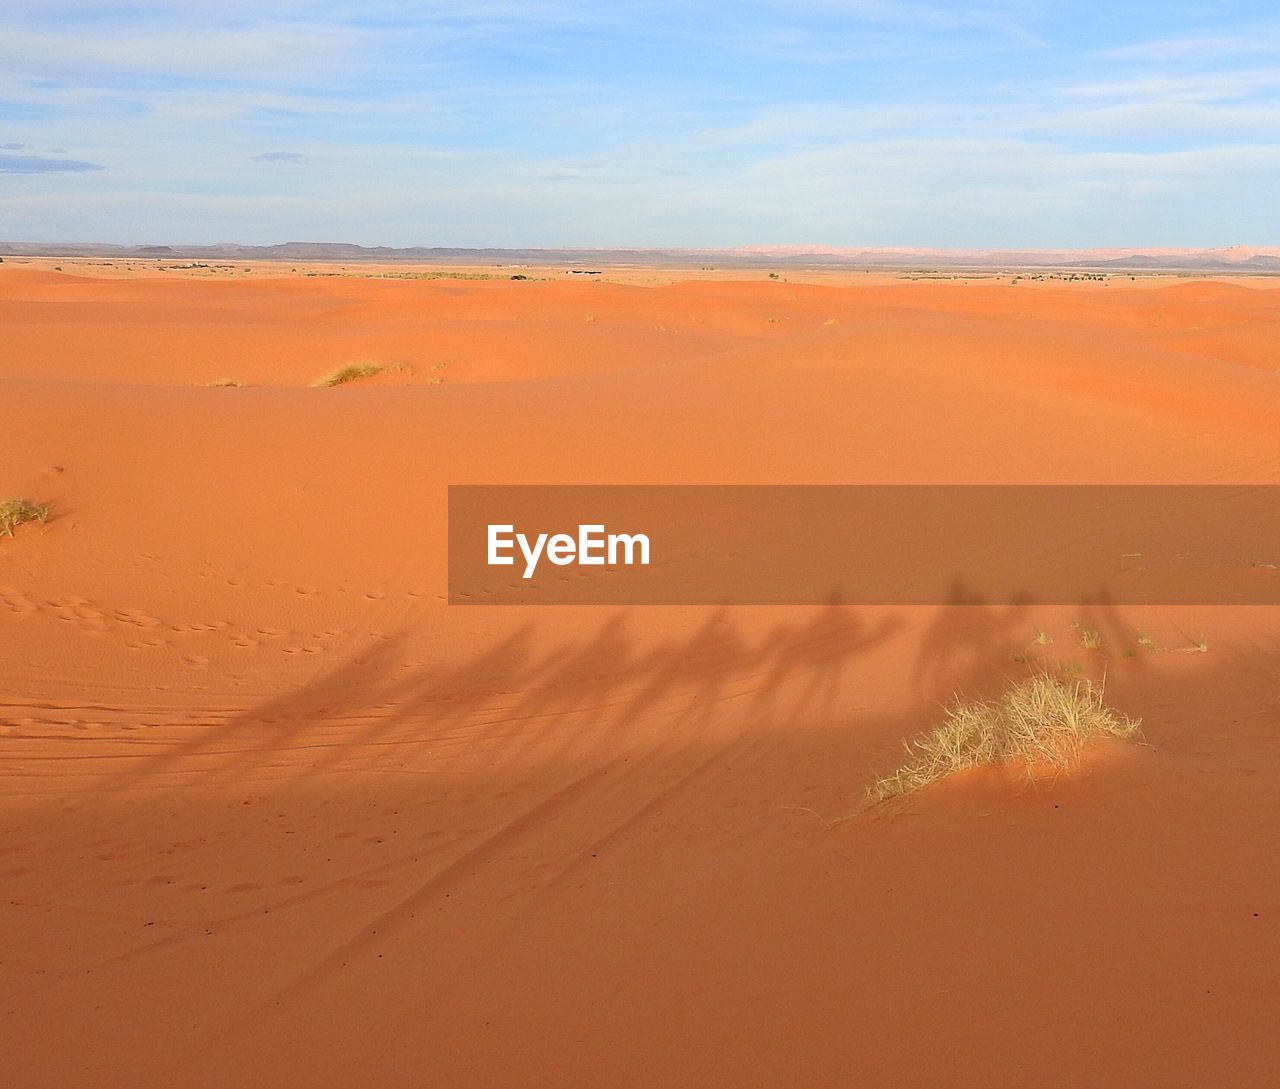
(272, 814)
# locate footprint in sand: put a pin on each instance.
(16, 601)
(244, 641)
(67, 602)
(195, 661)
(137, 618)
(307, 591)
(272, 633)
(146, 644)
(77, 610)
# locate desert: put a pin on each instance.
(274, 813)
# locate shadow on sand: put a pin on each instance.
(518, 702)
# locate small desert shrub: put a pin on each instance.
(350, 373)
(1044, 722)
(14, 512)
(225, 382)
(1090, 638)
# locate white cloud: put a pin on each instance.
(1202, 48)
(1184, 87)
(88, 59)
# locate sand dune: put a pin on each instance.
(272, 813)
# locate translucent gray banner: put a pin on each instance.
(863, 544)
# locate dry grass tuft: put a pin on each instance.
(1044, 722)
(225, 383)
(1090, 638)
(1198, 644)
(351, 372)
(14, 512)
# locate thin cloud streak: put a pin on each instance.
(36, 164)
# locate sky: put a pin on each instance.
(1035, 124)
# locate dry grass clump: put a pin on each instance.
(225, 383)
(1044, 722)
(14, 512)
(351, 372)
(1090, 638)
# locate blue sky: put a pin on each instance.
(561, 122)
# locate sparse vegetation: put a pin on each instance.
(1090, 638)
(1044, 722)
(15, 512)
(1196, 644)
(351, 372)
(1042, 638)
(225, 382)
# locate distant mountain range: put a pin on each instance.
(1237, 259)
